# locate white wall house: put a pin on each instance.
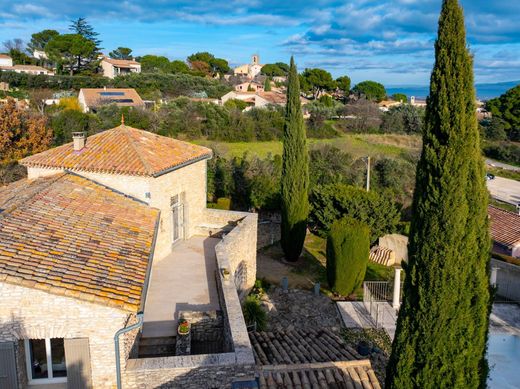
(5, 60)
(118, 67)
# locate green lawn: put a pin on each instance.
(357, 145)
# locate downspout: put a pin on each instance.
(122, 331)
(139, 315)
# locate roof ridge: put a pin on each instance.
(52, 179)
(147, 166)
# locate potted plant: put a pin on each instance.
(225, 273)
(184, 327)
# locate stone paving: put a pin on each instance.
(505, 318)
(299, 309)
(355, 315)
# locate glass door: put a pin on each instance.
(177, 218)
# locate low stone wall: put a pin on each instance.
(508, 279)
(237, 360)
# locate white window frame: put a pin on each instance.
(41, 381)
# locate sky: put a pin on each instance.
(390, 41)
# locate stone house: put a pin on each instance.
(250, 70)
(92, 98)
(117, 67)
(109, 235)
(28, 69)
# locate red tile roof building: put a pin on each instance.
(122, 150)
(505, 231)
(70, 236)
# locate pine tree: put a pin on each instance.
(442, 326)
(295, 172)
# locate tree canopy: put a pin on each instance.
(82, 27)
(507, 108)
(442, 326)
(371, 90)
(121, 53)
(317, 81)
(343, 84)
(273, 70)
(73, 51)
(40, 39)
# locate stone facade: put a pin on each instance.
(27, 313)
(189, 182)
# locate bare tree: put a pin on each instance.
(14, 44)
(38, 97)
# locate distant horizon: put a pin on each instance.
(390, 41)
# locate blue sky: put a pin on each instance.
(390, 41)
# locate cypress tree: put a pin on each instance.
(442, 326)
(295, 172)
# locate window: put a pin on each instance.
(45, 360)
(112, 93)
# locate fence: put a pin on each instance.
(507, 282)
(375, 295)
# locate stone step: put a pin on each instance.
(160, 340)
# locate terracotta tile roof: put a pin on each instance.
(345, 374)
(121, 62)
(70, 236)
(125, 97)
(273, 97)
(121, 150)
(4, 56)
(300, 346)
(505, 226)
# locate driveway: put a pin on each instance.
(502, 165)
(505, 190)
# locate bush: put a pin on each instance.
(334, 201)
(348, 246)
(503, 151)
(254, 313)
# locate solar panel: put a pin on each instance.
(112, 93)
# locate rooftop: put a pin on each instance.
(67, 235)
(505, 226)
(5, 56)
(121, 62)
(122, 150)
(127, 97)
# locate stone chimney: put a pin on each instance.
(79, 140)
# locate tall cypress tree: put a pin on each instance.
(295, 172)
(442, 326)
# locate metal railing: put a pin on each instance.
(375, 293)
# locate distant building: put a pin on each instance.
(259, 99)
(417, 102)
(90, 98)
(249, 70)
(385, 105)
(117, 67)
(252, 86)
(40, 54)
(5, 60)
(28, 69)
(505, 231)
(4, 86)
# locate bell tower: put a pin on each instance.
(255, 59)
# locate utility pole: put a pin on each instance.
(367, 161)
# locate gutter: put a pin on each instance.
(171, 169)
(140, 313)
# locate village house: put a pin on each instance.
(117, 67)
(28, 69)
(92, 98)
(260, 99)
(252, 86)
(250, 70)
(5, 60)
(505, 231)
(106, 246)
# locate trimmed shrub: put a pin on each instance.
(348, 246)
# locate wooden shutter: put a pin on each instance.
(7, 366)
(77, 358)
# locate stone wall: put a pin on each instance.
(238, 245)
(508, 279)
(206, 326)
(189, 183)
(27, 313)
(208, 370)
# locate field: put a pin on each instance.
(357, 145)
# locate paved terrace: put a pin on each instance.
(182, 281)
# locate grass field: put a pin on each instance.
(357, 145)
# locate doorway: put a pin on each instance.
(177, 211)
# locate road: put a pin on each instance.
(505, 190)
(501, 165)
